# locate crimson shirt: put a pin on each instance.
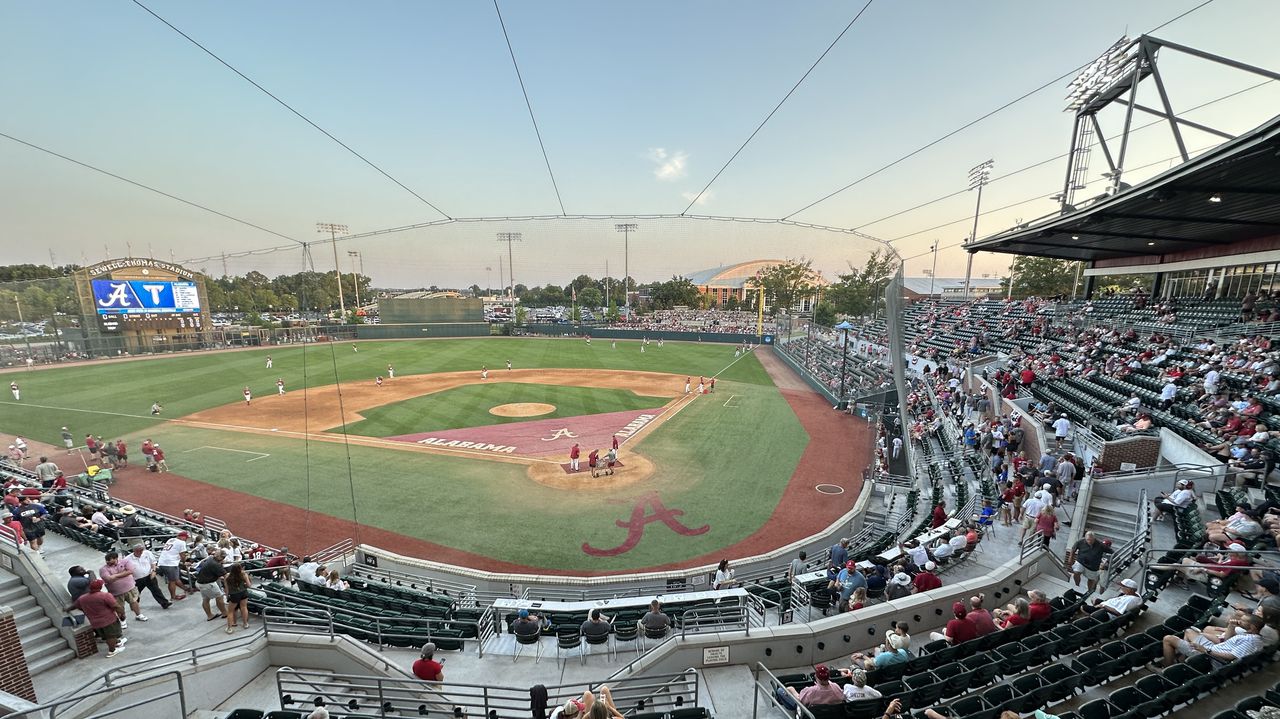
(98, 607)
(428, 670)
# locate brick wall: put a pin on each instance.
(86, 642)
(14, 677)
(1142, 451)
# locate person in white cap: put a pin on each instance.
(1181, 498)
(1031, 511)
(1235, 558)
(1061, 429)
(1126, 601)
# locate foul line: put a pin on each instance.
(731, 398)
(261, 455)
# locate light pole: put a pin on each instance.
(510, 237)
(934, 272)
(626, 228)
(844, 360)
(333, 229)
(979, 176)
(26, 338)
(488, 281)
(355, 255)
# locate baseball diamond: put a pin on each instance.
(428, 455)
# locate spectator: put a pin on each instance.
(117, 573)
(958, 628)
(724, 576)
(926, 580)
(279, 566)
(144, 573)
(797, 567)
(1181, 498)
(79, 582)
(1126, 601)
(1223, 650)
(1088, 559)
(169, 563)
(899, 586)
(857, 687)
(597, 625)
(237, 583)
(209, 582)
(426, 667)
(526, 624)
(334, 581)
(823, 691)
(99, 608)
(979, 617)
(655, 621)
(1018, 613)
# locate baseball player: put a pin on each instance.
(702, 386)
(156, 407)
(21, 444)
(280, 386)
(615, 444)
(268, 361)
(13, 387)
(713, 384)
(391, 372)
(613, 345)
(354, 348)
(508, 365)
(378, 381)
(68, 440)
(686, 385)
(574, 454)
(484, 373)
(248, 396)
(157, 455)
(91, 444)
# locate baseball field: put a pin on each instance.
(449, 464)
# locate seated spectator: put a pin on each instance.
(279, 566)
(1038, 609)
(857, 600)
(1015, 614)
(943, 551)
(597, 625)
(1181, 498)
(1239, 527)
(979, 617)
(106, 525)
(893, 651)
(917, 553)
(823, 691)
(1222, 650)
(526, 624)
(426, 667)
(926, 580)
(857, 687)
(1199, 569)
(655, 621)
(334, 581)
(67, 517)
(899, 586)
(307, 570)
(1127, 600)
(958, 628)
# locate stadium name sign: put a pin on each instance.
(462, 444)
(108, 267)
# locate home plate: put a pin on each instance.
(274, 429)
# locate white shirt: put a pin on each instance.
(853, 693)
(142, 563)
(171, 555)
(307, 573)
(1123, 603)
(1062, 427)
(959, 543)
(943, 551)
(1211, 378)
(1032, 507)
(1169, 391)
(1181, 498)
(919, 555)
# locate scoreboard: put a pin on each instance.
(146, 304)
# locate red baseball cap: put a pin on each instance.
(183, 535)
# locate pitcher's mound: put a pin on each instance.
(522, 409)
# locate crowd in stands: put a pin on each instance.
(821, 356)
(689, 320)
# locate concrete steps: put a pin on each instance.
(42, 643)
(1112, 519)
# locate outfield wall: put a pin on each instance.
(809, 379)
(422, 330)
(609, 333)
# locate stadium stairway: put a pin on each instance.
(42, 644)
(1111, 519)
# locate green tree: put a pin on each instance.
(788, 283)
(824, 314)
(1041, 277)
(732, 303)
(590, 297)
(861, 291)
(612, 314)
(677, 291)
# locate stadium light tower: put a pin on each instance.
(356, 256)
(334, 229)
(626, 228)
(510, 237)
(978, 178)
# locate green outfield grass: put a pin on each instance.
(469, 407)
(713, 461)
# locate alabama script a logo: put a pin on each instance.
(639, 518)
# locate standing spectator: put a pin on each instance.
(209, 580)
(1088, 558)
(118, 575)
(1061, 429)
(79, 582)
(100, 608)
(237, 582)
(797, 566)
(144, 573)
(839, 553)
(169, 563)
(31, 516)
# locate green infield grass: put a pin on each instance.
(722, 466)
(469, 407)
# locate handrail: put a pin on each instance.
(337, 550)
(296, 617)
(1030, 545)
(800, 710)
(336, 626)
(55, 707)
(719, 617)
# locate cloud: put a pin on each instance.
(669, 166)
(704, 199)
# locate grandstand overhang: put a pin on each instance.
(1226, 196)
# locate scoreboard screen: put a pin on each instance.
(157, 303)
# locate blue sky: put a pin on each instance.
(639, 104)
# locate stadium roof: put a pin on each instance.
(1229, 194)
(922, 285)
(731, 275)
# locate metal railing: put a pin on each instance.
(153, 701)
(1030, 546)
(337, 552)
(768, 691)
(716, 618)
(383, 631)
(297, 620)
(382, 696)
(1124, 555)
(465, 593)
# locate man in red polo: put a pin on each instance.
(100, 609)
